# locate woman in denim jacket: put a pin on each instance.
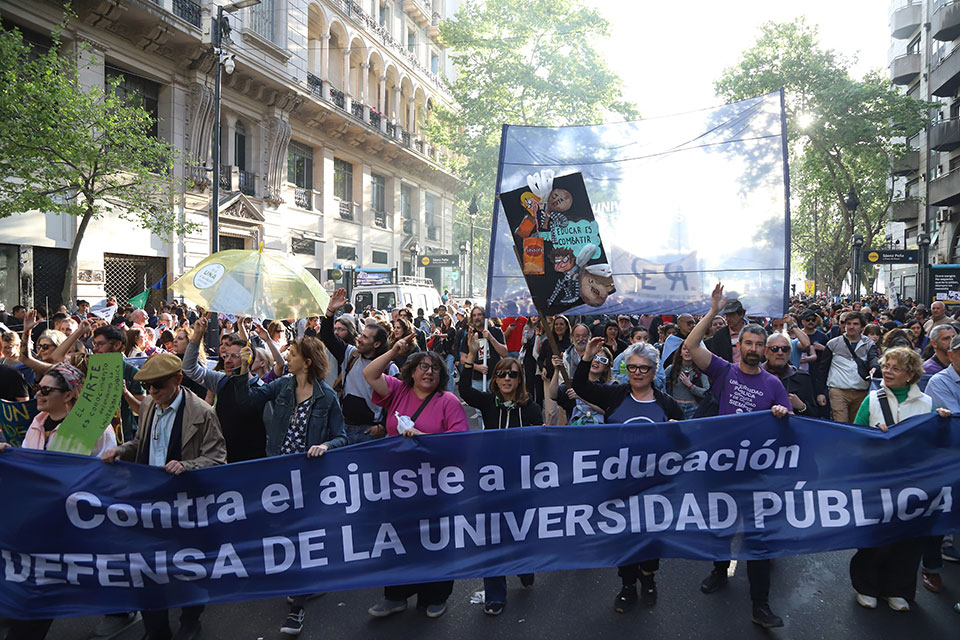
(306, 419)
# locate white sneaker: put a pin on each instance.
(868, 602)
(898, 604)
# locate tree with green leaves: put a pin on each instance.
(78, 151)
(844, 134)
(523, 62)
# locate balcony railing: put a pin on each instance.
(392, 130)
(945, 23)
(945, 77)
(346, 210)
(419, 145)
(905, 20)
(338, 98)
(189, 11)
(302, 198)
(357, 110)
(407, 226)
(405, 138)
(226, 177)
(905, 69)
(247, 181)
(945, 190)
(374, 118)
(316, 84)
(380, 219)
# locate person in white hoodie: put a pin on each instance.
(890, 572)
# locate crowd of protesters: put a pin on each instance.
(268, 387)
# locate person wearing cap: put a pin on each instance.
(725, 341)
(179, 432)
(940, 337)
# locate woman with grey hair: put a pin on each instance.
(637, 401)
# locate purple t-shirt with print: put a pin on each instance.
(741, 392)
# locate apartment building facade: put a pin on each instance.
(322, 148)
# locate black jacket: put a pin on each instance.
(799, 383)
(609, 396)
(720, 344)
(495, 415)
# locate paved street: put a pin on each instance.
(811, 593)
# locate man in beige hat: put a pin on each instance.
(179, 432)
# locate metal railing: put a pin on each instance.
(405, 138)
(338, 98)
(357, 110)
(346, 210)
(188, 10)
(380, 219)
(226, 177)
(302, 198)
(418, 145)
(392, 130)
(374, 118)
(315, 84)
(247, 183)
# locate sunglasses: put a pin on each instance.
(159, 384)
(642, 369)
(45, 391)
(780, 349)
(508, 374)
(601, 359)
(44, 346)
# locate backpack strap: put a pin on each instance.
(885, 407)
(342, 378)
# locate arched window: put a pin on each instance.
(240, 146)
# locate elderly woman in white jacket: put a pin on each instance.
(890, 572)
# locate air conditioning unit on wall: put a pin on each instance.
(945, 215)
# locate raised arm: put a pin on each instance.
(700, 354)
(191, 366)
(471, 396)
(374, 371)
(278, 362)
(85, 329)
(797, 333)
(336, 346)
(501, 349)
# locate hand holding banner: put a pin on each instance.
(99, 399)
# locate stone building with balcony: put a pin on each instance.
(925, 61)
(322, 148)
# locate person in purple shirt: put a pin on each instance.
(741, 388)
(940, 337)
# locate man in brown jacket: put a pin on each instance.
(179, 432)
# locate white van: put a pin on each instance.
(419, 292)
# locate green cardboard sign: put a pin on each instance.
(99, 399)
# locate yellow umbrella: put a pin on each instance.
(253, 283)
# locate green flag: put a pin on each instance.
(99, 399)
(140, 299)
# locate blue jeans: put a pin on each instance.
(356, 435)
(448, 359)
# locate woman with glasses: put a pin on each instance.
(579, 410)
(416, 404)
(890, 572)
(686, 383)
(507, 404)
(637, 401)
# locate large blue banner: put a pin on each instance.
(84, 537)
(680, 202)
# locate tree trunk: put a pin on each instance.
(68, 294)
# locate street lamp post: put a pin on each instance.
(923, 241)
(852, 202)
(219, 28)
(414, 250)
(472, 210)
(224, 62)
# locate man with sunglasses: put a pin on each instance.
(798, 383)
(743, 387)
(179, 432)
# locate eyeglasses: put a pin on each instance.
(508, 374)
(159, 384)
(45, 391)
(779, 349)
(891, 368)
(101, 343)
(642, 369)
(426, 366)
(601, 359)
